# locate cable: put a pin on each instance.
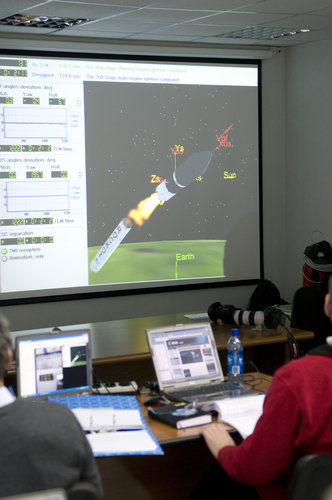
(292, 342)
(293, 345)
(250, 379)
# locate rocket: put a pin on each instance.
(184, 175)
(111, 244)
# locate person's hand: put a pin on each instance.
(216, 438)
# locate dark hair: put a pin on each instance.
(5, 343)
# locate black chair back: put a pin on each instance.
(308, 314)
(83, 490)
(311, 479)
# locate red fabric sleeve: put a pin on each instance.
(268, 453)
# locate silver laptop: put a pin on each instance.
(187, 364)
(54, 364)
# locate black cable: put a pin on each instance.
(250, 379)
(292, 342)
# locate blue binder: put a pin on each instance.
(116, 402)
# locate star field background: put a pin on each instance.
(130, 130)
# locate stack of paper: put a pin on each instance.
(241, 413)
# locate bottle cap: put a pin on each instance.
(235, 331)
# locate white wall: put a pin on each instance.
(308, 154)
(273, 168)
(296, 196)
(31, 316)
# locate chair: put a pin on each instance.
(83, 491)
(308, 314)
(54, 494)
(311, 479)
(80, 491)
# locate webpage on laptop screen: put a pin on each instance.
(188, 356)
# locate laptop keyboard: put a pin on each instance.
(223, 387)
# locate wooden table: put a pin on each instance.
(119, 348)
(170, 476)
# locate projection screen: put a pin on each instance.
(125, 175)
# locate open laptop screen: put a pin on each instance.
(184, 353)
(53, 363)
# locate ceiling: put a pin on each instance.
(267, 23)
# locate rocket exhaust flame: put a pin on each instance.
(138, 215)
(184, 175)
(144, 209)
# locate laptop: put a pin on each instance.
(53, 364)
(187, 365)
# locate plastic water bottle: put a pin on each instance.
(235, 357)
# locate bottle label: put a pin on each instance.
(234, 364)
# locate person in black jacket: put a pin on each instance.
(42, 444)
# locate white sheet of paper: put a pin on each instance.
(242, 412)
(122, 442)
(197, 316)
(93, 419)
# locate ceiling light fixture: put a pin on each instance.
(40, 21)
(292, 33)
(262, 33)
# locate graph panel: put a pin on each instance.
(37, 196)
(35, 123)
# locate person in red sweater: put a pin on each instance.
(296, 420)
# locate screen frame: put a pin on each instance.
(75, 293)
(56, 334)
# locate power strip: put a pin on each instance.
(116, 388)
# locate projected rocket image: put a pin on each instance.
(174, 175)
(185, 174)
(111, 244)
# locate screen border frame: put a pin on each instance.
(49, 334)
(176, 59)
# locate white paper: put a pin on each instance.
(95, 419)
(126, 442)
(197, 316)
(241, 413)
(191, 422)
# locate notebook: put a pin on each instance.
(187, 365)
(53, 363)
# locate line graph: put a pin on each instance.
(37, 196)
(27, 122)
